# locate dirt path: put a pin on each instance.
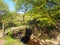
(1, 34)
(2, 41)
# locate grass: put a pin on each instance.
(11, 41)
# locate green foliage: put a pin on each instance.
(3, 6)
(44, 11)
(3, 10)
(11, 41)
(57, 16)
(10, 33)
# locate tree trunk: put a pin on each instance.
(3, 29)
